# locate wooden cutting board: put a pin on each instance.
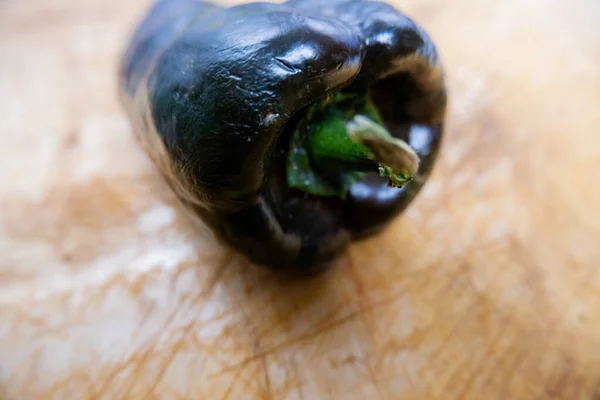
(488, 287)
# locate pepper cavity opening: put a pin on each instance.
(341, 138)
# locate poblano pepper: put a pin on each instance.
(289, 129)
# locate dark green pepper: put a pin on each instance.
(292, 128)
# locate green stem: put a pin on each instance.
(398, 162)
(332, 149)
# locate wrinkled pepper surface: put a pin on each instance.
(290, 129)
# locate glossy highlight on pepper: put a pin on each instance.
(223, 101)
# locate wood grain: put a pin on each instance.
(488, 287)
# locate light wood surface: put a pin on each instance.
(488, 287)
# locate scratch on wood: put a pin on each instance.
(451, 333)
(480, 368)
(299, 385)
(319, 331)
(232, 383)
(268, 390)
(301, 338)
(139, 363)
(165, 363)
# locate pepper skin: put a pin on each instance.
(213, 92)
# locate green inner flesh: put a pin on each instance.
(340, 139)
